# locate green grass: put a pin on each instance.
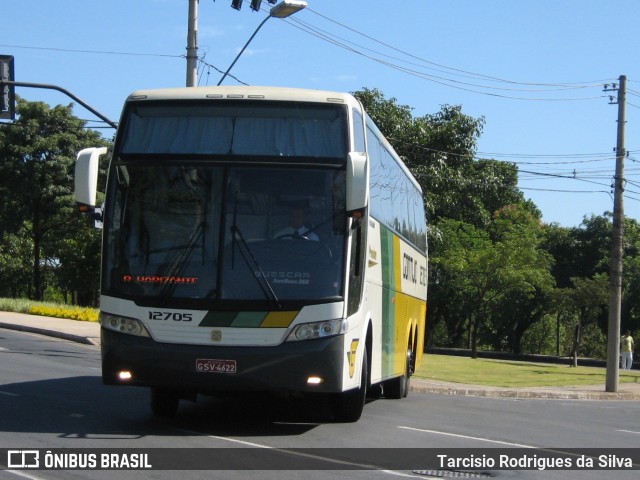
(506, 373)
(48, 309)
(17, 305)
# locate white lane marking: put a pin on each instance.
(628, 431)
(23, 474)
(9, 394)
(231, 440)
(480, 439)
(300, 454)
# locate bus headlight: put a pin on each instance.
(127, 325)
(326, 328)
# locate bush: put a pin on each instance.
(71, 312)
(541, 338)
(61, 311)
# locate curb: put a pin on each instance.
(51, 333)
(423, 387)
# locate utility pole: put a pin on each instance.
(192, 44)
(615, 269)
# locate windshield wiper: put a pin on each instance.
(182, 259)
(265, 286)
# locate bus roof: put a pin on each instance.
(244, 92)
(262, 93)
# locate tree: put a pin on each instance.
(516, 277)
(492, 287)
(15, 251)
(584, 252)
(453, 248)
(439, 149)
(589, 297)
(631, 277)
(526, 292)
(562, 244)
(77, 268)
(594, 246)
(36, 179)
(469, 271)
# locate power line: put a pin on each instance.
(220, 71)
(558, 190)
(572, 177)
(100, 52)
(343, 43)
(466, 73)
(580, 158)
(449, 82)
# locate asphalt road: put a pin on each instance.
(51, 397)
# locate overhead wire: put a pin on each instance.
(343, 43)
(450, 82)
(220, 71)
(446, 81)
(585, 176)
(458, 71)
(99, 52)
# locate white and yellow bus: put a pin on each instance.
(257, 239)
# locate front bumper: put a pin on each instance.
(284, 367)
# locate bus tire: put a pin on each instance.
(374, 391)
(398, 387)
(348, 406)
(164, 402)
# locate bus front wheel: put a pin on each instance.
(348, 406)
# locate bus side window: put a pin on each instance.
(358, 132)
(356, 265)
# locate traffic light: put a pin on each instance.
(255, 4)
(7, 92)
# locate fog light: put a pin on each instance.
(125, 375)
(314, 380)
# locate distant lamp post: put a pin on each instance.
(281, 10)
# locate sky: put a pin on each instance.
(534, 70)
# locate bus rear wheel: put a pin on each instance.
(164, 402)
(348, 406)
(399, 387)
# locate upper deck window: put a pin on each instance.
(247, 128)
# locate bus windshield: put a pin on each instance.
(205, 233)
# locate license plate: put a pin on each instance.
(209, 365)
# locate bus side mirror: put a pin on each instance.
(357, 179)
(86, 180)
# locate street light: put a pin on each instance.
(281, 10)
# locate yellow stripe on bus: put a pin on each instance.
(278, 319)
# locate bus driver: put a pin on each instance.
(297, 227)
